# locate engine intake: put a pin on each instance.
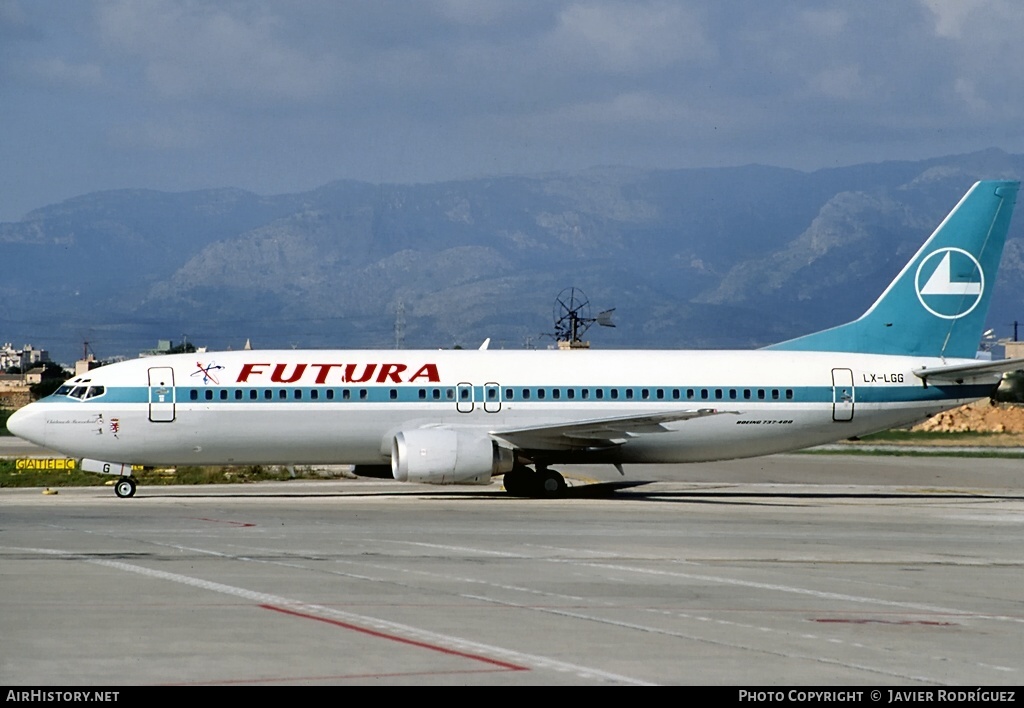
(437, 456)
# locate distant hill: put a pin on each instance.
(732, 257)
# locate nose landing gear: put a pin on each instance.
(125, 487)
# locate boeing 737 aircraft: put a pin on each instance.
(465, 417)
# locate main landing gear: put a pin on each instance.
(521, 481)
(125, 487)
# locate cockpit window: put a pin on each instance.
(95, 391)
(78, 391)
(63, 390)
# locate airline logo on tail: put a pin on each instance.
(950, 283)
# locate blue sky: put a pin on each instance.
(276, 96)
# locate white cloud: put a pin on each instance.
(58, 71)
(951, 15)
(840, 82)
(198, 49)
(276, 96)
(630, 36)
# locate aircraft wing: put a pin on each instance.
(596, 432)
(961, 373)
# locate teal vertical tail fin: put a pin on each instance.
(937, 305)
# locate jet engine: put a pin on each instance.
(438, 456)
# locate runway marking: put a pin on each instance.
(875, 620)
(239, 524)
(645, 628)
(710, 620)
(723, 643)
(640, 627)
(820, 594)
(393, 638)
(333, 677)
(399, 632)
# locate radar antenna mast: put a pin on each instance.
(572, 319)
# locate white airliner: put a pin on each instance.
(464, 417)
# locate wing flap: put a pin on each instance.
(598, 432)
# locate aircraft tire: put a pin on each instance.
(125, 487)
(518, 482)
(550, 484)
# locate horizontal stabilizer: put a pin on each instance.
(961, 373)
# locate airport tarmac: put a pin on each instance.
(790, 569)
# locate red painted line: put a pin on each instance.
(396, 638)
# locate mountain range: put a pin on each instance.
(698, 258)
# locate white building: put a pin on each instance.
(24, 359)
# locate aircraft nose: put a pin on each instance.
(27, 424)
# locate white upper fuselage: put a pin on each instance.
(334, 406)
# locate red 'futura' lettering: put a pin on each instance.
(350, 373)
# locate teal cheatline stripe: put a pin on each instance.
(703, 396)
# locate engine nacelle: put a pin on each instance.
(437, 456)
